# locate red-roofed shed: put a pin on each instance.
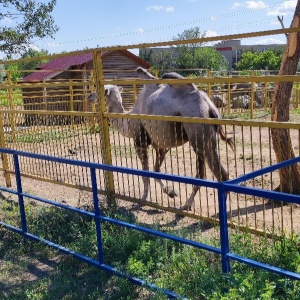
(78, 68)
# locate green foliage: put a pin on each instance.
(13, 70)
(17, 97)
(160, 60)
(30, 20)
(189, 34)
(186, 56)
(17, 70)
(39, 137)
(267, 60)
(2, 72)
(200, 58)
(188, 271)
(32, 64)
(195, 56)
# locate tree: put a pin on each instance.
(197, 55)
(160, 60)
(282, 144)
(30, 19)
(15, 74)
(188, 34)
(31, 65)
(201, 58)
(266, 60)
(187, 56)
(20, 69)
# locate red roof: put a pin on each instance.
(62, 63)
(58, 65)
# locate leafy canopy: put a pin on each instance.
(23, 68)
(187, 56)
(198, 55)
(267, 60)
(24, 20)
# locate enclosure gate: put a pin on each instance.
(223, 188)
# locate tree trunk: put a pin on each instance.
(282, 144)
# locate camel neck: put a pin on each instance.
(121, 124)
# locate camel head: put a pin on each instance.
(113, 98)
(144, 74)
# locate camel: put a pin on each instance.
(183, 100)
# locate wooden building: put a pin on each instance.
(75, 68)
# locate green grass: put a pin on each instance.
(193, 273)
(39, 137)
(17, 97)
(247, 116)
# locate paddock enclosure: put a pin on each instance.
(58, 121)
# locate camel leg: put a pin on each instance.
(195, 137)
(141, 143)
(200, 174)
(160, 157)
(143, 156)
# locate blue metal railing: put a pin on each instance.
(222, 187)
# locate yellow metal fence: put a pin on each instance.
(82, 141)
(58, 121)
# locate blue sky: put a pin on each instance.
(93, 23)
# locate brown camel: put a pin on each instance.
(182, 100)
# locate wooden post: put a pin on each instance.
(103, 123)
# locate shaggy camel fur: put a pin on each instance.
(183, 100)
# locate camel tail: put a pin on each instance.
(214, 114)
(224, 137)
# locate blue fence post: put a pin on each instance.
(222, 197)
(97, 214)
(20, 194)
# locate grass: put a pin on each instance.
(39, 137)
(193, 273)
(17, 96)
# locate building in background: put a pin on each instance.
(232, 50)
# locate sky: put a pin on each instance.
(93, 23)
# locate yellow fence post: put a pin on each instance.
(134, 93)
(229, 98)
(11, 106)
(71, 100)
(266, 102)
(4, 157)
(45, 97)
(208, 85)
(252, 100)
(103, 123)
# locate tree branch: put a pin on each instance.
(282, 25)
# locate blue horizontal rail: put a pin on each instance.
(222, 187)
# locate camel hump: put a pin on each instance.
(172, 75)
